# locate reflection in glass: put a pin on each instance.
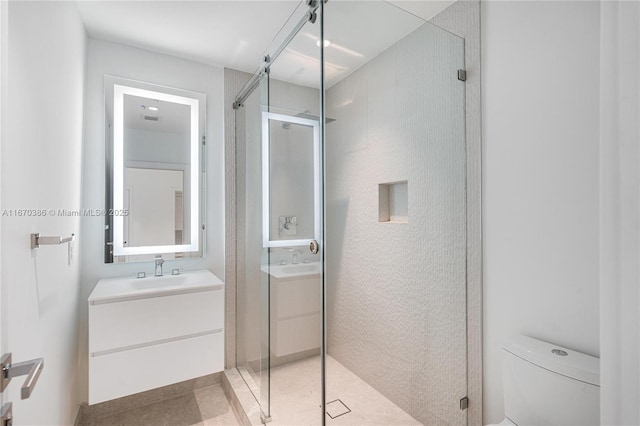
(156, 157)
(291, 179)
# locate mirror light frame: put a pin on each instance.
(119, 91)
(266, 182)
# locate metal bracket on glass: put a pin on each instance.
(31, 368)
(462, 75)
(264, 418)
(464, 403)
(6, 414)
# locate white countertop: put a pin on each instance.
(109, 290)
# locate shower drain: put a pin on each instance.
(337, 408)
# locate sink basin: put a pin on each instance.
(159, 282)
(130, 288)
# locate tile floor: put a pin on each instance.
(203, 407)
(295, 400)
(295, 397)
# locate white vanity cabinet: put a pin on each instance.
(152, 332)
(296, 307)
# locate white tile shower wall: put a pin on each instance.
(233, 82)
(137, 64)
(396, 292)
(540, 67)
(41, 169)
(250, 320)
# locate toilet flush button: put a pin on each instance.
(559, 352)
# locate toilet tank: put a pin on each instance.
(545, 384)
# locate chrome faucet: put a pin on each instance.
(294, 256)
(159, 262)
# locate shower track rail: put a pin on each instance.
(253, 82)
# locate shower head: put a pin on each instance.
(307, 115)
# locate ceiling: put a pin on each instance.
(152, 114)
(236, 34)
(354, 35)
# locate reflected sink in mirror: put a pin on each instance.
(302, 269)
(293, 270)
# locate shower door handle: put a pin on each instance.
(314, 247)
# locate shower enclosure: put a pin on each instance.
(351, 220)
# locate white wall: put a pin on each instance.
(128, 62)
(156, 146)
(620, 213)
(41, 169)
(540, 67)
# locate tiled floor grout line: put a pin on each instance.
(176, 396)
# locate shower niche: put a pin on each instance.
(393, 202)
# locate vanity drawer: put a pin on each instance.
(296, 335)
(132, 323)
(293, 298)
(127, 372)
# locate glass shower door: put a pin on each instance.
(292, 227)
(292, 166)
(279, 228)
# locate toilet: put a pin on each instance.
(545, 384)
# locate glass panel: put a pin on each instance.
(295, 217)
(395, 230)
(252, 278)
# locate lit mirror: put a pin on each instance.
(290, 163)
(154, 140)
